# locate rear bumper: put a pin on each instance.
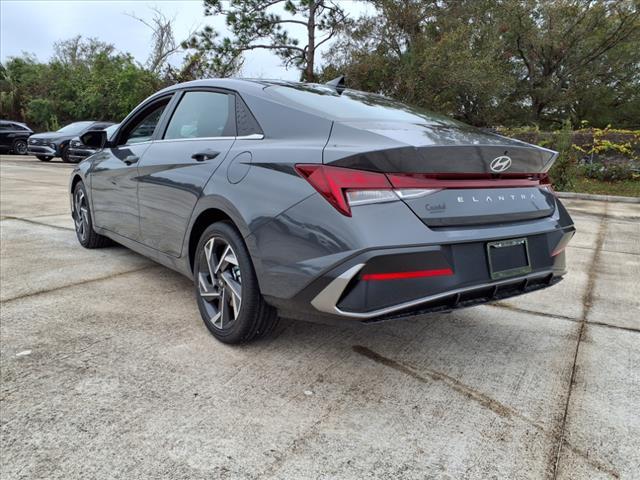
(346, 293)
(311, 261)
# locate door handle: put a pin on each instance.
(205, 155)
(131, 159)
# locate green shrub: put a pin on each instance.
(613, 172)
(564, 169)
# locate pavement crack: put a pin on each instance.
(484, 400)
(481, 398)
(605, 250)
(561, 317)
(71, 285)
(31, 181)
(587, 303)
(34, 222)
(533, 312)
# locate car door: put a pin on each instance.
(114, 172)
(5, 132)
(176, 167)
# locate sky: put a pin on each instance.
(34, 26)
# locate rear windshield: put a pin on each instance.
(356, 105)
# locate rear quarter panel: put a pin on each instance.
(257, 180)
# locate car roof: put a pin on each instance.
(16, 123)
(238, 84)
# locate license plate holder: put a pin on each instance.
(508, 258)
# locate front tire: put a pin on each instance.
(20, 147)
(64, 154)
(87, 237)
(227, 289)
(43, 158)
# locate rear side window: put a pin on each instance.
(202, 114)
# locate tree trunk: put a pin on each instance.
(311, 44)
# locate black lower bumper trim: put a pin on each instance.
(472, 298)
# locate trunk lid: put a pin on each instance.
(470, 177)
(401, 147)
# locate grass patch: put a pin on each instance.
(625, 188)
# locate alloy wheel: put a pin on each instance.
(220, 283)
(81, 214)
(20, 147)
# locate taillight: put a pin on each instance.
(545, 184)
(343, 187)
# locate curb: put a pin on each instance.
(602, 198)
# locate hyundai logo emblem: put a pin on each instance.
(500, 164)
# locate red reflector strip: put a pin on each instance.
(401, 275)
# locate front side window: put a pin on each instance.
(142, 129)
(201, 115)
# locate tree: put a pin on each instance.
(78, 51)
(163, 40)
(206, 58)
(86, 79)
(561, 49)
(259, 24)
(510, 62)
(440, 55)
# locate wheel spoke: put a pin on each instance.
(223, 301)
(206, 291)
(222, 258)
(230, 257)
(208, 251)
(215, 317)
(235, 287)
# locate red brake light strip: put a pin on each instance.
(404, 275)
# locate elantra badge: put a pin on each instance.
(500, 164)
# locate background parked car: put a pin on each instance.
(48, 145)
(78, 151)
(13, 137)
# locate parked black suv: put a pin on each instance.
(13, 137)
(78, 151)
(48, 145)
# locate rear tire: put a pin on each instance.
(20, 147)
(87, 237)
(43, 158)
(227, 289)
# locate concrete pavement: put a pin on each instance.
(108, 372)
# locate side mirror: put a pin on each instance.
(96, 139)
